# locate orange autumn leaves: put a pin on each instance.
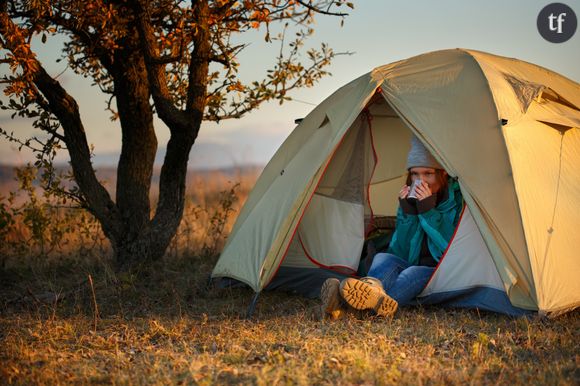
(20, 58)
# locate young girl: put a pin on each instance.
(425, 224)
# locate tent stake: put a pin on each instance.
(252, 306)
(208, 283)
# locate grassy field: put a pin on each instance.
(167, 328)
(71, 320)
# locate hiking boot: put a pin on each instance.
(330, 298)
(367, 294)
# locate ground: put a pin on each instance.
(165, 326)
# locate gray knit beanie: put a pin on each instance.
(419, 156)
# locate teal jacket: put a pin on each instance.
(438, 224)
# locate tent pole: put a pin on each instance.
(252, 306)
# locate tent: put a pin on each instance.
(506, 129)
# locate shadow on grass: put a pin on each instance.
(172, 289)
(168, 289)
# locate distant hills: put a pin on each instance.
(207, 162)
(108, 174)
(204, 156)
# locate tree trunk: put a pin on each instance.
(184, 127)
(172, 191)
(137, 157)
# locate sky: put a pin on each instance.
(376, 32)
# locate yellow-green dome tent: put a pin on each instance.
(507, 129)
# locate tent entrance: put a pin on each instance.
(361, 181)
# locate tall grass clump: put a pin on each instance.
(42, 226)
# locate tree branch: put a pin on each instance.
(321, 11)
(199, 63)
(65, 108)
(173, 117)
(88, 39)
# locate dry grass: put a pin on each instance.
(167, 327)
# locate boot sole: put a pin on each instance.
(363, 296)
(330, 297)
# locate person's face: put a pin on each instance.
(429, 175)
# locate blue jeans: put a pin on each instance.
(401, 281)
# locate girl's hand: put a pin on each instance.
(423, 191)
(404, 192)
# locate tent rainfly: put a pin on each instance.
(506, 129)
